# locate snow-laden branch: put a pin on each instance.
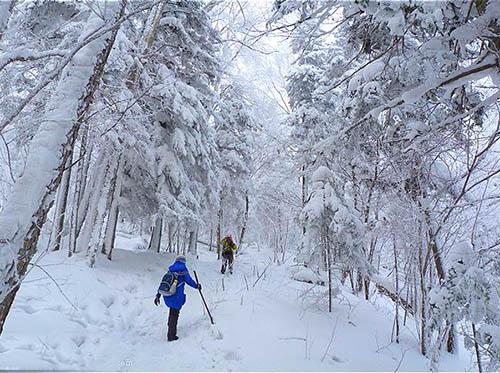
(460, 77)
(27, 55)
(456, 79)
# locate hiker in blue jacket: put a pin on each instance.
(177, 300)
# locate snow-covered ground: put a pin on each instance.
(275, 324)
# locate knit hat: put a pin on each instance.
(180, 258)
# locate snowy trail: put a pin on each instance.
(268, 327)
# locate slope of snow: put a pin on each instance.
(277, 324)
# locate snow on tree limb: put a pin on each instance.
(25, 55)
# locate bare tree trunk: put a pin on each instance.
(218, 234)
(20, 227)
(366, 283)
(476, 349)
(408, 286)
(197, 233)
(326, 250)
(113, 222)
(90, 236)
(366, 279)
(351, 280)
(423, 309)
(192, 242)
(79, 185)
(177, 238)
(155, 241)
(245, 221)
(62, 203)
(285, 240)
(184, 241)
(149, 34)
(328, 254)
(305, 193)
(211, 238)
(87, 190)
(114, 193)
(359, 281)
(171, 244)
(396, 272)
(436, 254)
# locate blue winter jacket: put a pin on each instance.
(177, 300)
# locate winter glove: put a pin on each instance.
(199, 286)
(157, 300)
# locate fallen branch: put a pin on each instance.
(57, 285)
(395, 298)
(262, 274)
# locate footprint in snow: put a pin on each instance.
(78, 319)
(26, 346)
(216, 333)
(78, 340)
(56, 308)
(232, 355)
(27, 308)
(108, 301)
(337, 359)
(131, 288)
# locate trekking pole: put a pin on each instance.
(203, 299)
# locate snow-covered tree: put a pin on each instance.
(410, 120)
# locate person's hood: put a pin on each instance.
(178, 267)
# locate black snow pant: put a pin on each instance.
(173, 317)
(227, 261)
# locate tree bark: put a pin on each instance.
(20, 221)
(436, 254)
(90, 236)
(476, 349)
(219, 228)
(114, 194)
(395, 298)
(155, 241)
(423, 305)
(245, 221)
(62, 204)
(86, 190)
(171, 236)
(396, 275)
(211, 239)
(79, 185)
(192, 242)
(152, 21)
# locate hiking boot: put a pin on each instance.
(173, 339)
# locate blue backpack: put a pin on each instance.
(168, 284)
